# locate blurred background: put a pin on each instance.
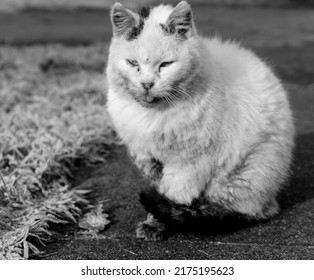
(11, 5)
(254, 22)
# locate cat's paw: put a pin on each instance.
(151, 230)
(179, 194)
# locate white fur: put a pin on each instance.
(239, 110)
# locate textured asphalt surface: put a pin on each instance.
(290, 235)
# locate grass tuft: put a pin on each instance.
(49, 124)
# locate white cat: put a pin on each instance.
(206, 120)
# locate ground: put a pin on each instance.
(288, 236)
(285, 39)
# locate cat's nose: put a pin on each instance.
(148, 86)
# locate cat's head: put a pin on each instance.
(153, 53)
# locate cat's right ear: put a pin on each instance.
(122, 19)
(180, 20)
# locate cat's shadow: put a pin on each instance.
(299, 188)
(301, 183)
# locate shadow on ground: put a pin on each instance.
(301, 187)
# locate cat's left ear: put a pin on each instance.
(123, 20)
(180, 20)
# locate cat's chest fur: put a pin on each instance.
(167, 136)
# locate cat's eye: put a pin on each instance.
(165, 64)
(133, 63)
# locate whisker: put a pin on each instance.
(182, 91)
(173, 101)
(176, 98)
(168, 101)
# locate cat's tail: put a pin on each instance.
(174, 214)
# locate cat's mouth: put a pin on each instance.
(150, 101)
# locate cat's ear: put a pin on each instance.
(180, 20)
(122, 19)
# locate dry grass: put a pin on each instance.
(52, 115)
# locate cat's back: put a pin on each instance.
(254, 94)
(243, 76)
(235, 63)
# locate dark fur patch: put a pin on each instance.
(156, 169)
(171, 30)
(152, 230)
(144, 12)
(135, 31)
(168, 30)
(178, 215)
(202, 216)
(182, 31)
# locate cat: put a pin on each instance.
(204, 119)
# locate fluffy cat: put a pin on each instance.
(206, 120)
